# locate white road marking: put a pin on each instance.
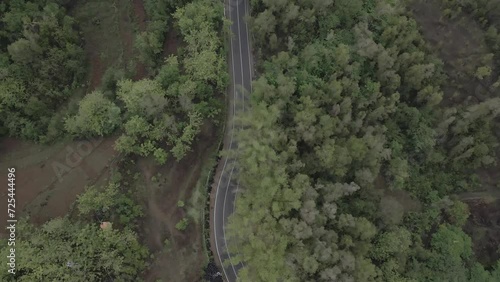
(232, 132)
(249, 46)
(225, 163)
(224, 225)
(234, 114)
(223, 168)
(243, 92)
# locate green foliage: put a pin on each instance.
(111, 202)
(458, 213)
(204, 60)
(149, 43)
(63, 250)
(93, 200)
(160, 155)
(347, 106)
(483, 72)
(143, 97)
(182, 224)
(147, 123)
(390, 244)
(167, 245)
(169, 72)
(40, 65)
(97, 116)
(168, 112)
(183, 143)
(111, 77)
(451, 250)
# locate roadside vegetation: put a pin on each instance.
(362, 136)
(105, 70)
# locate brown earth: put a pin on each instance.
(48, 179)
(172, 182)
(127, 35)
(171, 43)
(109, 34)
(140, 14)
(96, 70)
(483, 226)
(460, 44)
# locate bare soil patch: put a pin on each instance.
(109, 32)
(483, 226)
(460, 44)
(171, 43)
(99, 23)
(140, 16)
(48, 179)
(96, 70)
(165, 186)
(140, 13)
(127, 34)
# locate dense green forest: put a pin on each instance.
(351, 153)
(41, 62)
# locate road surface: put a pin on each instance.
(226, 184)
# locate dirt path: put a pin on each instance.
(177, 180)
(486, 196)
(96, 70)
(140, 13)
(171, 43)
(140, 16)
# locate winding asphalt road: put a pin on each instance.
(240, 67)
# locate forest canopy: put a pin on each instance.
(41, 62)
(349, 156)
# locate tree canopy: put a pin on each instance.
(40, 65)
(346, 118)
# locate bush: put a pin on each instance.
(182, 224)
(180, 204)
(111, 78)
(96, 115)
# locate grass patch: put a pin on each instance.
(108, 29)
